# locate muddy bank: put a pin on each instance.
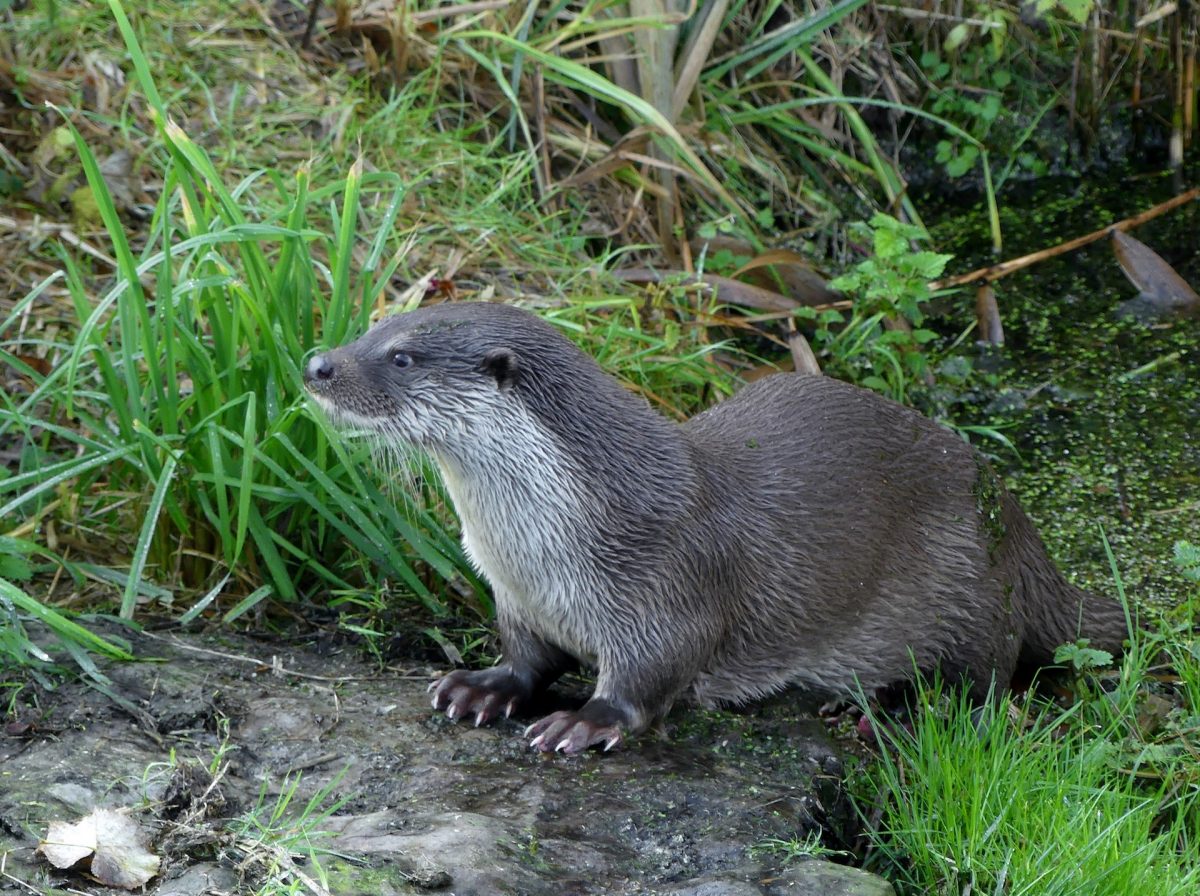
(419, 804)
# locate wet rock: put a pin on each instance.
(423, 804)
(719, 886)
(200, 879)
(820, 878)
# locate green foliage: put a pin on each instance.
(990, 799)
(15, 556)
(795, 850)
(895, 277)
(1077, 10)
(974, 802)
(981, 81)
(676, 64)
(644, 343)
(990, 22)
(976, 112)
(17, 649)
(278, 836)
(889, 285)
(19, 609)
(1082, 662)
(1081, 658)
(1187, 558)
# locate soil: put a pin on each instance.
(213, 739)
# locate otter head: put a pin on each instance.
(423, 377)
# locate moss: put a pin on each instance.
(988, 492)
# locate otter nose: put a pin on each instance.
(319, 368)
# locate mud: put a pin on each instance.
(208, 742)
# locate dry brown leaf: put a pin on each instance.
(771, 257)
(987, 315)
(730, 292)
(106, 843)
(1160, 285)
(803, 358)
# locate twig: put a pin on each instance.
(274, 665)
(16, 880)
(1171, 511)
(305, 765)
(63, 231)
(442, 12)
(1004, 268)
(310, 24)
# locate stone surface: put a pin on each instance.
(409, 801)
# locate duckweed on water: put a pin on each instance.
(1105, 411)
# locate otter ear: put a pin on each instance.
(501, 364)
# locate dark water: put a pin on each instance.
(1101, 445)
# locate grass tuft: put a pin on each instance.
(989, 806)
(1023, 797)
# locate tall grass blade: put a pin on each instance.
(62, 626)
(583, 78)
(166, 478)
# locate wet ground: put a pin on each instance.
(204, 745)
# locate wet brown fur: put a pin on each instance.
(804, 531)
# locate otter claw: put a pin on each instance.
(478, 695)
(571, 733)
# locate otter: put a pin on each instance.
(802, 532)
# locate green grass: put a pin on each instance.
(279, 841)
(1100, 798)
(172, 425)
(1029, 812)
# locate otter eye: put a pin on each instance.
(402, 360)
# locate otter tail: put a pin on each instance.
(1079, 614)
(1052, 610)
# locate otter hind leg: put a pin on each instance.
(984, 668)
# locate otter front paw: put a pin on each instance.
(485, 694)
(597, 722)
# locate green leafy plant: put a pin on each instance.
(891, 285)
(1187, 558)
(1082, 662)
(1082, 658)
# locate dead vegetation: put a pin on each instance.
(777, 122)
